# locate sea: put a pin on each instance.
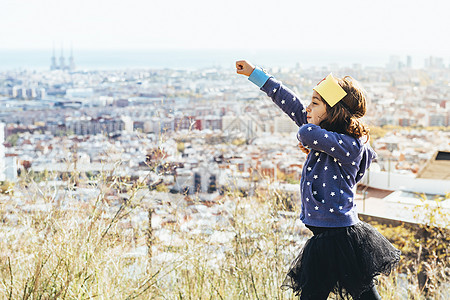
(190, 59)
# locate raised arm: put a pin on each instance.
(283, 97)
(343, 147)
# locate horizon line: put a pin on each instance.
(221, 49)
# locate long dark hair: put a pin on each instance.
(343, 116)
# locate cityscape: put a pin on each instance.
(48, 114)
(183, 140)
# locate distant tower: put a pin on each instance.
(53, 66)
(71, 60)
(62, 64)
(409, 62)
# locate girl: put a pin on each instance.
(344, 255)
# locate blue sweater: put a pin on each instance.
(332, 168)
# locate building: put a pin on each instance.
(185, 123)
(438, 167)
(2, 152)
(102, 125)
(433, 178)
(437, 119)
(409, 62)
(434, 62)
(210, 122)
(62, 61)
(11, 167)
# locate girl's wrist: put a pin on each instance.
(259, 76)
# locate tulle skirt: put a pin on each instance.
(343, 260)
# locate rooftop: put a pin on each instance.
(438, 167)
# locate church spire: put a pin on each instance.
(71, 59)
(70, 66)
(53, 65)
(62, 64)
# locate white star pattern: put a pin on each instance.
(309, 168)
(323, 201)
(314, 192)
(325, 168)
(331, 210)
(332, 194)
(274, 90)
(293, 98)
(309, 215)
(335, 160)
(340, 141)
(293, 114)
(315, 142)
(332, 149)
(324, 184)
(318, 159)
(350, 199)
(326, 135)
(348, 154)
(308, 183)
(354, 143)
(309, 128)
(361, 174)
(353, 163)
(348, 176)
(340, 207)
(317, 154)
(315, 176)
(334, 177)
(307, 199)
(282, 101)
(316, 208)
(342, 191)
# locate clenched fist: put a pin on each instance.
(244, 67)
(303, 148)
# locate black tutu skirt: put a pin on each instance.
(342, 260)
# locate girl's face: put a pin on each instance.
(316, 110)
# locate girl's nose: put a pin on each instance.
(308, 109)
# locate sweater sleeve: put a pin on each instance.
(283, 97)
(344, 148)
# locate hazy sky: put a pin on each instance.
(404, 27)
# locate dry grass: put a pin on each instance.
(79, 241)
(424, 270)
(58, 244)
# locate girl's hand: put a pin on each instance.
(244, 67)
(303, 148)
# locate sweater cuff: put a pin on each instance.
(259, 77)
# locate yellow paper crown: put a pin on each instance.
(330, 90)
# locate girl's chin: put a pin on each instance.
(310, 121)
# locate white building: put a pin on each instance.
(433, 178)
(11, 168)
(2, 152)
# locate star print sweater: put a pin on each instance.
(334, 165)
